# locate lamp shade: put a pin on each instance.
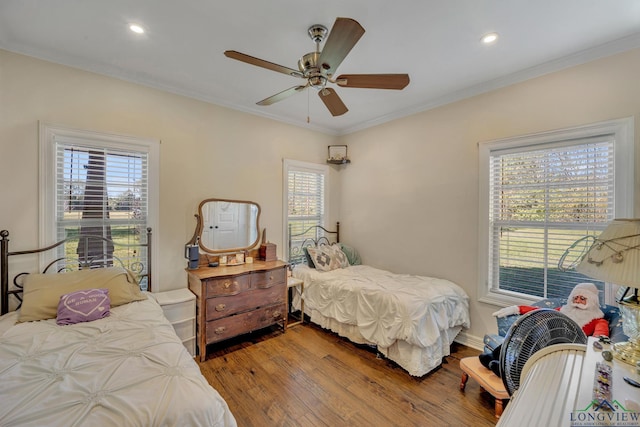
(615, 255)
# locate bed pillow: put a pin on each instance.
(42, 292)
(308, 257)
(324, 258)
(83, 306)
(341, 257)
(352, 254)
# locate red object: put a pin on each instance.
(597, 327)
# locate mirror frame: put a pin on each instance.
(197, 235)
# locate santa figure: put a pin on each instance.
(582, 307)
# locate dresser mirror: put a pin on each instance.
(227, 225)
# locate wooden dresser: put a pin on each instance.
(235, 300)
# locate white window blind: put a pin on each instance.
(306, 204)
(104, 192)
(97, 184)
(541, 201)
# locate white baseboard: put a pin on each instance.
(470, 340)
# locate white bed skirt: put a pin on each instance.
(418, 361)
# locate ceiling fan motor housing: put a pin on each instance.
(308, 65)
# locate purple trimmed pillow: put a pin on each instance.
(83, 306)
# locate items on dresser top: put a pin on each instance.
(235, 300)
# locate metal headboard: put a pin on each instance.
(313, 236)
(93, 260)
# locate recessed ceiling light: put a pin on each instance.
(136, 28)
(489, 38)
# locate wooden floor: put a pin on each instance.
(312, 377)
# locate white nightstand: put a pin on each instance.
(179, 307)
(297, 285)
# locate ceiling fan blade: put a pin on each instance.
(261, 63)
(373, 81)
(332, 101)
(281, 95)
(344, 34)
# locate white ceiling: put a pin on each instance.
(437, 42)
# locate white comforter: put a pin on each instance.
(129, 369)
(386, 306)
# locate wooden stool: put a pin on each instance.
(471, 367)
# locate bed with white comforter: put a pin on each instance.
(128, 369)
(411, 319)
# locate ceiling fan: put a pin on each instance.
(318, 67)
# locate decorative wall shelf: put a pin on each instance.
(338, 162)
(338, 155)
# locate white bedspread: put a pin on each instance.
(129, 369)
(386, 306)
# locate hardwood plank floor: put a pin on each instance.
(312, 377)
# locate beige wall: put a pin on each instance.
(410, 197)
(206, 150)
(408, 202)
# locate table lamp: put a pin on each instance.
(614, 257)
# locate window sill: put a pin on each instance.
(506, 299)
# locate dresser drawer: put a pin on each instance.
(265, 279)
(228, 285)
(227, 305)
(228, 327)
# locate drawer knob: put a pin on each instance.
(227, 284)
(270, 277)
(276, 314)
(220, 330)
(221, 307)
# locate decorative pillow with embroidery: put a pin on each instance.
(83, 306)
(324, 258)
(340, 256)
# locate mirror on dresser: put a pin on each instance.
(233, 298)
(227, 225)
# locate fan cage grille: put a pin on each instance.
(530, 333)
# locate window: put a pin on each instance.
(305, 190)
(97, 184)
(541, 193)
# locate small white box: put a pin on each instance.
(178, 305)
(185, 329)
(190, 344)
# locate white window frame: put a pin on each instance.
(47, 192)
(622, 131)
(296, 165)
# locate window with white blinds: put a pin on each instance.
(98, 185)
(543, 196)
(306, 196)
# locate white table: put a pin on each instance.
(556, 389)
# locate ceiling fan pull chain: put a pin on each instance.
(308, 107)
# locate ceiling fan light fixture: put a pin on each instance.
(318, 82)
